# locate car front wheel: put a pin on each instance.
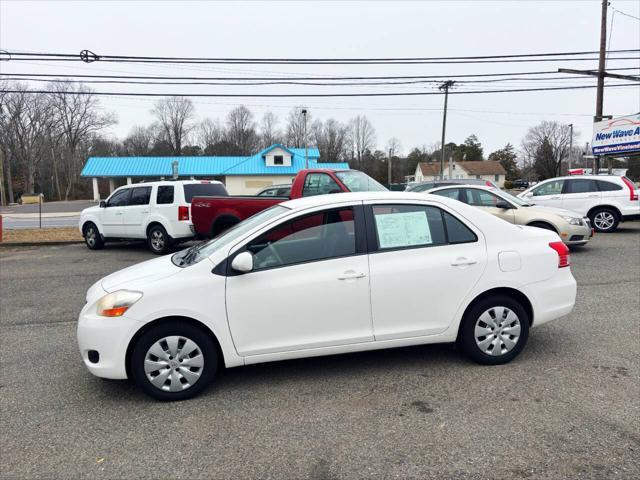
(92, 237)
(173, 361)
(494, 331)
(604, 220)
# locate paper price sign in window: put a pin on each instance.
(403, 229)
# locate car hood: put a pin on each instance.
(137, 276)
(90, 210)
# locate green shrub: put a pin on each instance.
(508, 184)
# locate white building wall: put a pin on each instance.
(269, 158)
(252, 184)
(458, 173)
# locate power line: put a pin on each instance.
(625, 14)
(297, 78)
(305, 95)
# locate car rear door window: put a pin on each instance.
(120, 198)
(317, 236)
(203, 190)
(140, 196)
(481, 198)
(605, 186)
(408, 226)
(164, 195)
(580, 185)
(449, 193)
(319, 184)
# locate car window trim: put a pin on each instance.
(224, 267)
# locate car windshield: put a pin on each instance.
(198, 252)
(359, 182)
(512, 198)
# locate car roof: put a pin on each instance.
(334, 198)
(171, 182)
(588, 177)
(478, 187)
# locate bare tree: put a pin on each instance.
(175, 117)
(241, 130)
(139, 141)
(209, 132)
(269, 131)
(77, 116)
(362, 137)
(295, 127)
(331, 138)
(547, 145)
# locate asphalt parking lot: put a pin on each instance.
(568, 407)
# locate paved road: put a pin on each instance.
(17, 223)
(568, 407)
(26, 216)
(49, 207)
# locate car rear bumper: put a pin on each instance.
(109, 337)
(552, 298)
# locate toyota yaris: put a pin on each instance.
(326, 275)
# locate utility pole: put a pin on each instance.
(601, 63)
(306, 156)
(445, 86)
(570, 145)
(389, 167)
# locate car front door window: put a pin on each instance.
(319, 184)
(120, 198)
(550, 188)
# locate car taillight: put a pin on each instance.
(563, 253)
(183, 213)
(633, 195)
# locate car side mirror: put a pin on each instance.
(503, 204)
(243, 262)
(102, 204)
(528, 194)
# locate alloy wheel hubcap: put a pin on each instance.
(604, 220)
(91, 236)
(157, 240)
(174, 363)
(497, 331)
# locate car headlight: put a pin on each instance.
(573, 220)
(116, 303)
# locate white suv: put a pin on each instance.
(157, 211)
(605, 199)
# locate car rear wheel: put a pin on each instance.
(494, 331)
(604, 220)
(92, 237)
(173, 361)
(158, 240)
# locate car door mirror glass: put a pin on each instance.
(243, 262)
(102, 204)
(503, 204)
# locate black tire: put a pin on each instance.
(542, 225)
(467, 338)
(92, 237)
(206, 348)
(604, 220)
(158, 240)
(223, 224)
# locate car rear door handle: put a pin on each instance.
(463, 262)
(351, 274)
(117, 213)
(145, 211)
(555, 198)
(594, 196)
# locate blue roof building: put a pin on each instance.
(274, 165)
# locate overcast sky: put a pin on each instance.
(344, 29)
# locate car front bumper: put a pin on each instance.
(577, 234)
(107, 336)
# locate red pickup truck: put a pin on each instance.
(213, 215)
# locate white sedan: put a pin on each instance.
(326, 275)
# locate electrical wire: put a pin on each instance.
(306, 95)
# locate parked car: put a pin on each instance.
(157, 211)
(520, 183)
(275, 191)
(424, 186)
(212, 216)
(605, 199)
(573, 228)
(326, 275)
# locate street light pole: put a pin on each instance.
(306, 156)
(445, 86)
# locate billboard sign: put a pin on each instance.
(618, 136)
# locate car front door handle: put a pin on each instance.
(117, 213)
(351, 274)
(555, 198)
(145, 211)
(594, 196)
(463, 262)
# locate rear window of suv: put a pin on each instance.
(604, 186)
(203, 190)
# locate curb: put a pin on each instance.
(39, 244)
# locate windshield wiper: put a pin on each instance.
(191, 254)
